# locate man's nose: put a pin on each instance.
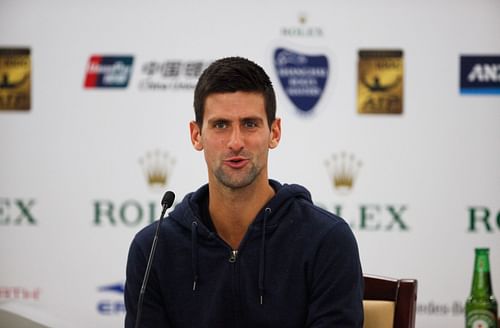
(236, 139)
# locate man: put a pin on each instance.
(243, 250)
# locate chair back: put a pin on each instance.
(389, 303)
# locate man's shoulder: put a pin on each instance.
(318, 214)
(146, 234)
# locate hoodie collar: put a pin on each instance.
(192, 205)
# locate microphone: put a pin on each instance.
(166, 203)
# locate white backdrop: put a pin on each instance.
(72, 188)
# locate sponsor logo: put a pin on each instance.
(17, 212)
(19, 293)
(432, 308)
(157, 169)
(116, 288)
(130, 213)
(108, 71)
(380, 82)
(15, 79)
(480, 75)
(302, 29)
(171, 75)
(483, 219)
(303, 77)
(343, 169)
(372, 216)
(113, 303)
(156, 166)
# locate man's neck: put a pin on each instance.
(233, 210)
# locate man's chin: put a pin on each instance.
(236, 183)
(237, 180)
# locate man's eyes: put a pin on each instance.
(250, 124)
(220, 125)
(247, 124)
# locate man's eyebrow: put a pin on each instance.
(217, 119)
(243, 119)
(252, 118)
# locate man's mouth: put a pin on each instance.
(236, 162)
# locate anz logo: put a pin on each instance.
(484, 73)
(113, 303)
(480, 75)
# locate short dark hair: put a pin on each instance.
(233, 74)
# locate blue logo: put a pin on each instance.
(117, 288)
(480, 75)
(302, 77)
(112, 305)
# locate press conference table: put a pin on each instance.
(12, 320)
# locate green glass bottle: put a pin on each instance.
(481, 307)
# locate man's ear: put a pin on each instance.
(195, 132)
(275, 133)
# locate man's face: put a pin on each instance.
(235, 138)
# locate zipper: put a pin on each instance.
(233, 256)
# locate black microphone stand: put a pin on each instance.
(166, 202)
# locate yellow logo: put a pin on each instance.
(15, 79)
(343, 169)
(157, 166)
(380, 82)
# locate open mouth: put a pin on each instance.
(236, 162)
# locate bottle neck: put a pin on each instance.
(481, 280)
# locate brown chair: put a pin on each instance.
(390, 303)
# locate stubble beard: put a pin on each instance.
(235, 181)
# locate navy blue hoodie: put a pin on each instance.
(297, 266)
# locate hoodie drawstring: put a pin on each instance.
(194, 252)
(262, 268)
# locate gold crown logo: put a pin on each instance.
(302, 18)
(156, 166)
(343, 170)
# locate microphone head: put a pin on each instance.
(168, 199)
